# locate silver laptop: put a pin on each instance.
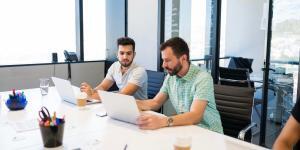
(67, 92)
(119, 106)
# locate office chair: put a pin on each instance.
(235, 107)
(107, 64)
(155, 81)
(238, 77)
(240, 62)
(243, 64)
(235, 77)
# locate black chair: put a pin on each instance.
(238, 77)
(240, 62)
(235, 77)
(235, 107)
(155, 81)
(244, 65)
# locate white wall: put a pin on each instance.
(143, 28)
(23, 77)
(243, 34)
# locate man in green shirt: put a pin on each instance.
(189, 89)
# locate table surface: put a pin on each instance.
(85, 130)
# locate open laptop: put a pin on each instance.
(119, 106)
(67, 92)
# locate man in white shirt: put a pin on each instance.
(130, 78)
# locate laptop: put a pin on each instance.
(67, 92)
(119, 106)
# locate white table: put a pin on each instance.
(85, 130)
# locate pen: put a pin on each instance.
(14, 92)
(125, 147)
(54, 118)
(57, 121)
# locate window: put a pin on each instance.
(94, 30)
(192, 21)
(198, 29)
(31, 30)
(243, 32)
(285, 41)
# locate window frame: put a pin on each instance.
(79, 39)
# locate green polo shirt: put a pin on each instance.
(195, 85)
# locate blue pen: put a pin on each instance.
(57, 121)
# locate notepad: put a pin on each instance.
(26, 125)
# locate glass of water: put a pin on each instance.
(44, 86)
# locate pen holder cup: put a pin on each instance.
(17, 103)
(52, 135)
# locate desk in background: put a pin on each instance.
(84, 130)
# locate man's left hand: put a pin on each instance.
(148, 121)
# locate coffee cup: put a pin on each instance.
(182, 143)
(81, 99)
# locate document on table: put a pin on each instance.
(26, 125)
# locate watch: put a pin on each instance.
(170, 122)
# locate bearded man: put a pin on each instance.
(189, 89)
(130, 78)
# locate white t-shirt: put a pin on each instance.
(135, 74)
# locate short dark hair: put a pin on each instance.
(126, 41)
(178, 45)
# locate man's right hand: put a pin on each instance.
(84, 87)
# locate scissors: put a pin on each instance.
(44, 114)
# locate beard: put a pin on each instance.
(175, 70)
(126, 63)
